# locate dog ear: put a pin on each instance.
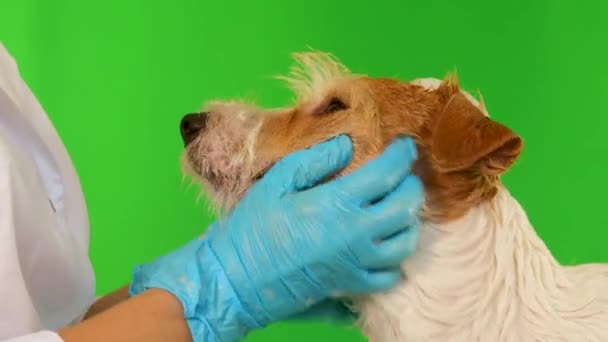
(463, 138)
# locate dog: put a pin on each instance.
(480, 271)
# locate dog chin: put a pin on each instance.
(224, 198)
(221, 192)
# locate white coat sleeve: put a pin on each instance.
(46, 279)
(19, 319)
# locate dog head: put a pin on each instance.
(462, 152)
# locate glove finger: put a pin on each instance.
(305, 168)
(211, 229)
(379, 281)
(398, 210)
(390, 253)
(381, 175)
(327, 310)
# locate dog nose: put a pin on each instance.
(191, 125)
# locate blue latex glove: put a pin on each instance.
(288, 246)
(329, 310)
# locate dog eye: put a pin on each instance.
(335, 105)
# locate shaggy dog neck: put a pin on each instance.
(489, 277)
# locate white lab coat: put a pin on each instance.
(46, 278)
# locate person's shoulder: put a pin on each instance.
(10, 79)
(9, 90)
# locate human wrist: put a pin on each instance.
(194, 275)
(220, 314)
(155, 315)
(171, 273)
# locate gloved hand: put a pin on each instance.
(290, 245)
(329, 310)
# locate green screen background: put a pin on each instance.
(116, 77)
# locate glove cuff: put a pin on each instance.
(219, 310)
(211, 306)
(177, 272)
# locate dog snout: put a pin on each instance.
(191, 125)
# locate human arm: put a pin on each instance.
(108, 301)
(329, 310)
(153, 316)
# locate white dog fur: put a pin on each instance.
(489, 277)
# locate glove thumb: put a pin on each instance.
(305, 168)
